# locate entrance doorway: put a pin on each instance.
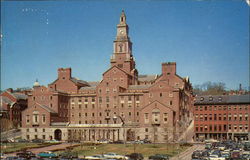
(58, 135)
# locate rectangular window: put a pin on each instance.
(146, 118)
(205, 118)
(165, 117)
(100, 99)
(225, 127)
(28, 119)
(246, 117)
(35, 118)
(44, 118)
(107, 99)
(43, 136)
(225, 117)
(137, 98)
(201, 117)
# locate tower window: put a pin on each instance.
(120, 47)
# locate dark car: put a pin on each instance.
(147, 141)
(159, 157)
(23, 141)
(68, 155)
(196, 155)
(37, 140)
(118, 142)
(135, 156)
(26, 154)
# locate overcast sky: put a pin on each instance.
(209, 40)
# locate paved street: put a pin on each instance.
(187, 154)
(49, 148)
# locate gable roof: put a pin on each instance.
(117, 68)
(46, 108)
(147, 78)
(139, 86)
(159, 103)
(19, 96)
(5, 100)
(78, 81)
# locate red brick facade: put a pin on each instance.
(12, 105)
(222, 117)
(123, 105)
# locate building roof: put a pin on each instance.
(19, 95)
(94, 83)
(139, 86)
(147, 78)
(47, 108)
(88, 88)
(6, 100)
(78, 81)
(223, 99)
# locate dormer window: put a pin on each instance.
(202, 99)
(220, 99)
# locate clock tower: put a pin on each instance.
(122, 54)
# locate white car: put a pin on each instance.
(95, 157)
(115, 156)
(216, 157)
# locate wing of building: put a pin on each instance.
(222, 117)
(122, 106)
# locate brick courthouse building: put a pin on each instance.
(122, 106)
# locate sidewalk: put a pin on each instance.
(47, 148)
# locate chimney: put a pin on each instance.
(169, 68)
(64, 73)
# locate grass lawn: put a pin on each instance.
(14, 147)
(123, 149)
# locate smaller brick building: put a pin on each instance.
(222, 117)
(12, 105)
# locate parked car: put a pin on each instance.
(114, 156)
(68, 155)
(23, 141)
(37, 140)
(245, 155)
(159, 157)
(52, 141)
(196, 154)
(235, 155)
(147, 141)
(2, 156)
(25, 154)
(118, 142)
(47, 154)
(95, 157)
(135, 156)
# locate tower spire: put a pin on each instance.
(123, 18)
